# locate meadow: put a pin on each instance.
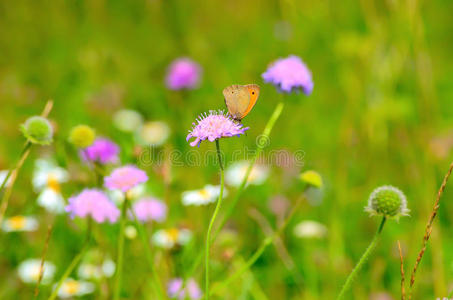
(135, 158)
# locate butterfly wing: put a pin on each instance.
(254, 92)
(237, 100)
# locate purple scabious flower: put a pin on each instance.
(150, 209)
(102, 150)
(212, 126)
(192, 290)
(183, 73)
(125, 178)
(289, 74)
(94, 203)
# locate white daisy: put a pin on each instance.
(47, 178)
(29, 271)
(169, 238)
(96, 271)
(206, 195)
(310, 229)
(236, 172)
(71, 288)
(127, 120)
(20, 223)
(153, 133)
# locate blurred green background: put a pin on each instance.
(380, 113)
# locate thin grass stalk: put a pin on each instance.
(429, 228)
(120, 254)
(43, 258)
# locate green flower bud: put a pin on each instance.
(311, 178)
(37, 130)
(387, 201)
(82, 136)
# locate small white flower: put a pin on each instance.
(127, 120)
(47, 178)
(71, 288)
(153, 133)
(206, 195)
(29, 271)
(169, 238)
(236, 172)
(3, 174)
(89, 271)
(130, 232)
(20, 223)
(108, 268)
(310, 229)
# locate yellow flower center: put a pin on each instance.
(53, 183)
(204, 194)
(17, 222)
(71, 287)
(173, 234)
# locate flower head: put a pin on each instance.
(236, 172)
(191, 291)
(204, 196)
(147, 209)
(71, 288)
(30, 269)
(183, 73)
(288, 74)
(37, 130)
(20, 223)
(312, 178)
(153, 133)
(94, 203)
(103, 151)
(310, 229)
(212, 126)
(82, 136)
(169, 238)
(125, 178)
(47, 177)
(387, 201)
(127, 120)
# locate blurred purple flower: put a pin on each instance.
(94, 203)
(288, 74)
(214, 126)
(191, 291)
(125, 178)
(150, 209)
(102, 150)
(183, 73)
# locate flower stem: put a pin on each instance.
(211, 223)
(12, 174)
(119, 260)
(362, 260)
(74, 262)
(264, 244)
(157, 285)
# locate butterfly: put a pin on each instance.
(240, 99)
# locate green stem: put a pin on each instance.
(362, 260)
(264, 244)
(74, 262)
(157, 285)
(119, 260)
(12, 173)
(266, 132)
(211, 223)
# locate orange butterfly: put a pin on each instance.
(240, 99)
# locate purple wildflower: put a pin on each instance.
(192, 290)
(125, 178)
(214, 126)
(147, 209)
(183, 73)
(102, 150)
(288, 74)
(94, 203)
